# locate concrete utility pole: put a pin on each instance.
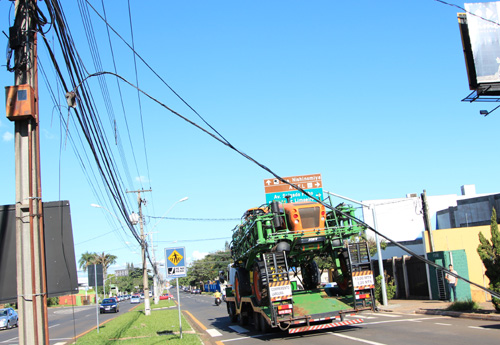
(22, 108)
(147, 305)
(427, 219)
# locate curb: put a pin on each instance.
(459, 314)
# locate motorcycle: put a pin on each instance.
(217, 301)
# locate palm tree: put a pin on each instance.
(86, 260)
(105, 260)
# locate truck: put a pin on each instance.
(274, 278)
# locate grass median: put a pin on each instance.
(134, 327)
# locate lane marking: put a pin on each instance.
(214, 333)
(243, 338)
(356, 339)
(386, 315)
(239, 329)
(9, 340)
(405, 320)
(442, 324)
(54, 325)
(481, 328)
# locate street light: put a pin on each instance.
(377, 241)
(155, 280)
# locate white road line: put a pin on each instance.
(403, 320)
(54, 325)
(9, 340)
(481, 328)
(356, 339)
(387, 315)
(442, 324)
(239, 329)
(361, 317)
(243, 338)
(214, 333)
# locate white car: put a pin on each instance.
(135, 299)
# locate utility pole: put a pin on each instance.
(147, 306)
(22, 108)
(427, 220)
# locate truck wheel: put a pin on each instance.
(343, 281)
(260, 285)
(310, 275)
(264, 326)
(256, 321)
(241, 285)
(243, 319)
(231, 311)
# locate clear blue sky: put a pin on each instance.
(366, 93)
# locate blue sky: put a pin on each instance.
(366, 93)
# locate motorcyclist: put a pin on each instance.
(217, 296)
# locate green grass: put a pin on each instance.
(134, 327)
(466, 305)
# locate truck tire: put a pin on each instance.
(344, 281)
(243, 318)
(241, 285)
(260, 284)
(231, 311)
(264, 326)
(256, 321)
(310, 275)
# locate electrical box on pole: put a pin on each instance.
(20, 102)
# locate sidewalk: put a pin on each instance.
(431, 307)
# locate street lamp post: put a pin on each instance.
(156, 278)
(377, 241)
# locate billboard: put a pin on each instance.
(480, 34)
(60, 263)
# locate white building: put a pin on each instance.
(402, 219)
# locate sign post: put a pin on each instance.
(276, 190)
(176, 267)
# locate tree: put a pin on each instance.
(86, 260)
(490, 255)
(105, 260)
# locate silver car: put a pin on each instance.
(8, 318)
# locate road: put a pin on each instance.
(65, 323)
(377, 329)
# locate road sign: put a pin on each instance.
(175, 259)
(277, 190)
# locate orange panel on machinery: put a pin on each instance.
(20, 102)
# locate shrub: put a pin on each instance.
(52, 301)
(389, 287)
(467, 305)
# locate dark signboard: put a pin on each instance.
(60, 260)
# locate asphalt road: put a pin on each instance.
(65, 323)
(377, 329)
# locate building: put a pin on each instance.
(402, 219)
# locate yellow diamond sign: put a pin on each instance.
(175, 257)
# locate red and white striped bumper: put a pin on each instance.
(324, 326)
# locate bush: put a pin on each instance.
(467, 305)
(52, 301)
(495, 300)
(389, 287)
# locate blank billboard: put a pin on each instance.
(60, 260)
(481, 42)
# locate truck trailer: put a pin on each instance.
(274, 279)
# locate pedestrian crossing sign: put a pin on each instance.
(175, 259)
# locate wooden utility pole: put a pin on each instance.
(145, 283)
(22, 108)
